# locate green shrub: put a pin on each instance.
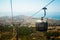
(53, 34)
(6, 36)
(25, 31)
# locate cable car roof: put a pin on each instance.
(38, 21)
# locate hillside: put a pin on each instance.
(25, 20)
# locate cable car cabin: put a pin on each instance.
(41, 25)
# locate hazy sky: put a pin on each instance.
(28, 7)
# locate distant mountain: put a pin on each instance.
(5, 20)
(25, 20)
(16, 19)
(54, 22)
